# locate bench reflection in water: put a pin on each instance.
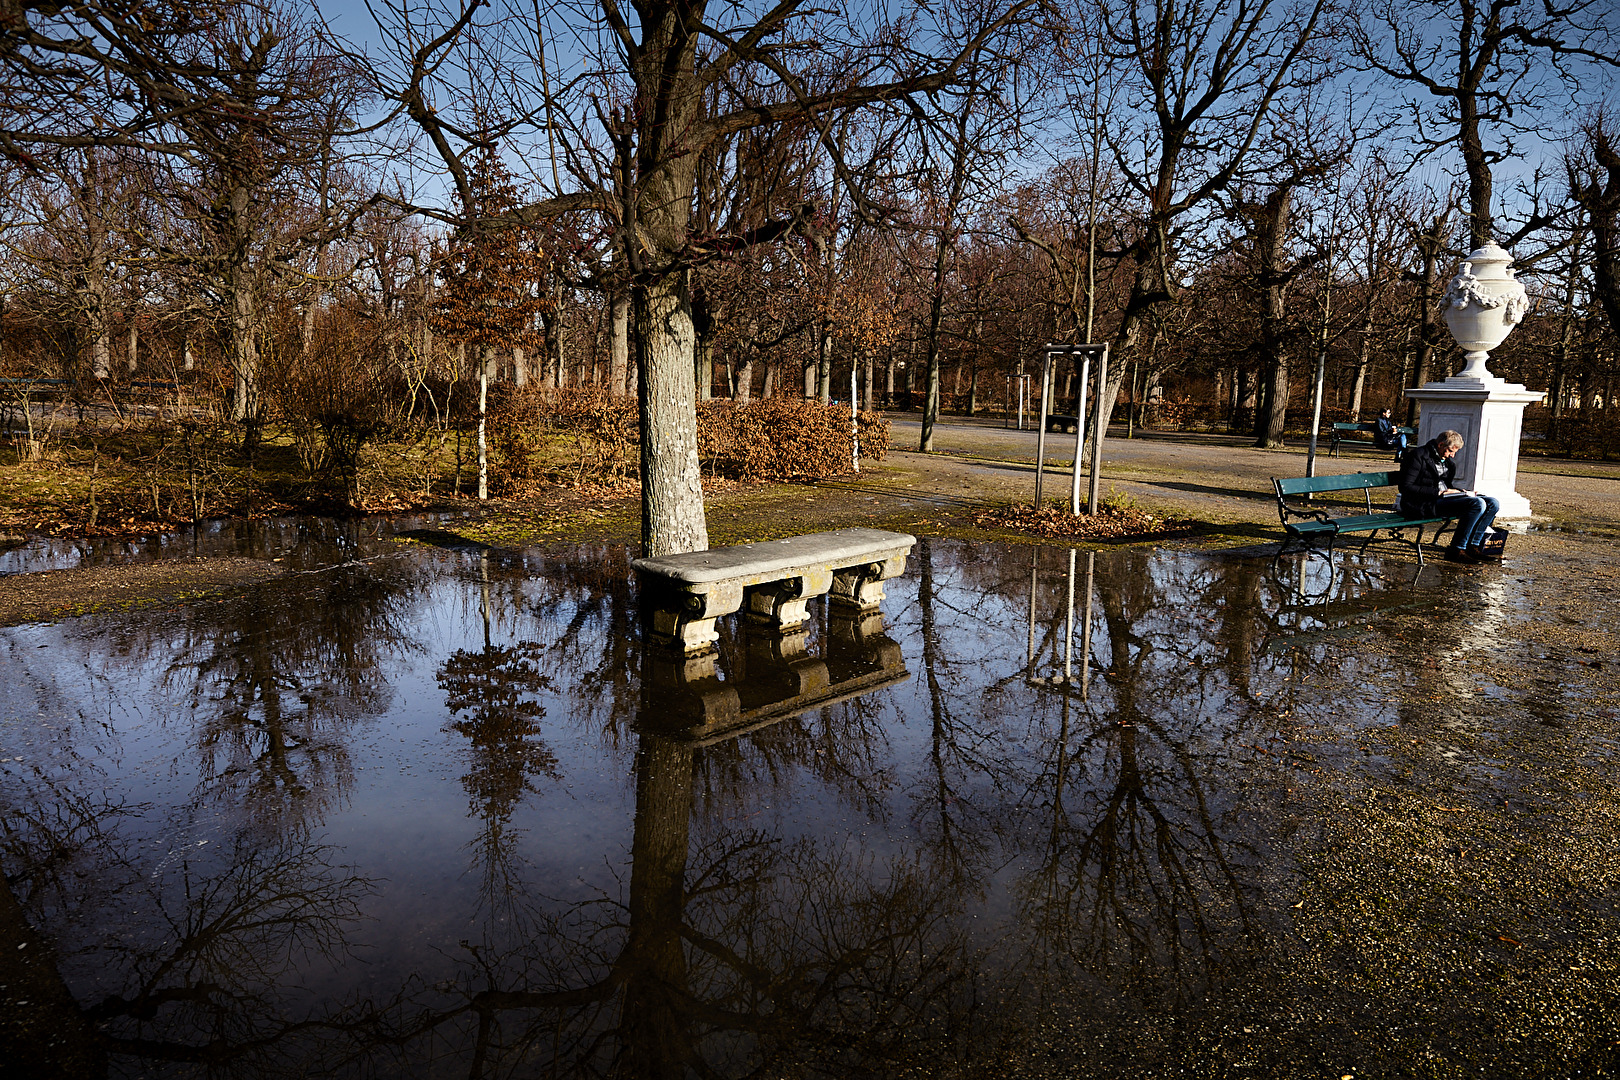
(776, 678)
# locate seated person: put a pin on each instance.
(1386, 437)
(1428, 489)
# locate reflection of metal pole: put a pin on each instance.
(1029, 651)
(1099, 428)
(1040, 433)
(1068, 628)
(1085, 628)
(1079, 436)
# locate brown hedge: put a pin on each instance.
(589, 435)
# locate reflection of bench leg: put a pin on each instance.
(689, 692)
(789, 644)
(852, 626)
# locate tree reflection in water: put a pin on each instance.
(204, 947)
(906, 879)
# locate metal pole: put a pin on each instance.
(1316, 409)
(1040, 434)
(1099, 429)
(1079, 435)
(1085, 628)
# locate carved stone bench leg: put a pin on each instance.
(781, 605)
(686, 619)
(860, 588)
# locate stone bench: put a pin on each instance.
(773, 581)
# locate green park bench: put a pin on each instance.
(1341, 433)
(1316, 523)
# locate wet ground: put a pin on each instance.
(432, 809)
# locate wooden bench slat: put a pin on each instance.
(1314, 485)
(1361, 523)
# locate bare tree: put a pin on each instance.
(636, 164)
(1208, 77)
(1477, 70)
(1593, 168)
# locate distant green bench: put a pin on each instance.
(1341, 432)
(1316, 523)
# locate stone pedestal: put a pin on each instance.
(1489, 413)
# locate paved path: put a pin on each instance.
(1222, 477)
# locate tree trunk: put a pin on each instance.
(483, 400)
(244, 353)
(619, 343)
(1430, 245)
(653, 1027)
(672, 519)
(1360, 384)
(936, 308)
(134, 345)
(824, 361)
(1271, 240)
(703, 351)
(520, 368)
(96, 328)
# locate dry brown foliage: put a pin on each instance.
(784, 438)
(590, 436)
(1118, 518)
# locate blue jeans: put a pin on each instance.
(1474, 513)
(1396, 442)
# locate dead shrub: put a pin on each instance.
(590, 436)
(784, 438)
(598, 428)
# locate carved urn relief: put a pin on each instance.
(1482, 305)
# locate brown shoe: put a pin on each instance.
(1466, 556)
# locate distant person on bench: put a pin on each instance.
(1386, 437)
(1428, 489)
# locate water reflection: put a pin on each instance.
(443, 814)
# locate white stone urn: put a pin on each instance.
(1482, 305)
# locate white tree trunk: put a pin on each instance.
(671, 486)
(483, 456)
(134, 345)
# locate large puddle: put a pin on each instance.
(434, 812)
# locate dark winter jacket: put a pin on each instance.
(1384, 435)
(1425, 473)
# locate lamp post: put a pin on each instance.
(1482, 304)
